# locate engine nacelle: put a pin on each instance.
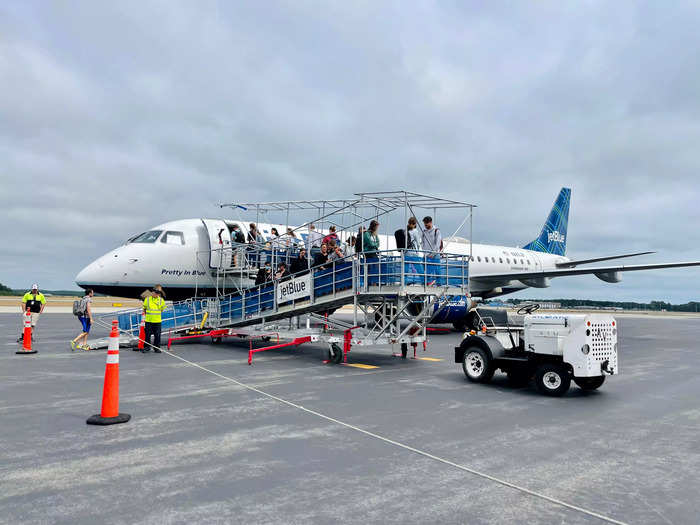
(536, 282)
(609, 277)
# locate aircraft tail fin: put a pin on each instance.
(552, 238)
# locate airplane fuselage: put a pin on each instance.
(178, 258)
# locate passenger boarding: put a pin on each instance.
(184, 255)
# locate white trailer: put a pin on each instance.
(554, 349)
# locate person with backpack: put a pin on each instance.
(414, 270)
(332, 236)
(83, 310)
(358, 239)
(412, 235)
(237, 241)
(370, 247)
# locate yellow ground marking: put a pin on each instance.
(430, 359)
(358, 365)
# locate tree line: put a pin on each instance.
(692, 306)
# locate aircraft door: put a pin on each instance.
(221, 255)
(536, 261)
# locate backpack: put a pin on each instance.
(78, 308)
(400, 236)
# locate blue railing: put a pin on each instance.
(363, 274)
(387, 272)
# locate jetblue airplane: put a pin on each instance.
(183, 257)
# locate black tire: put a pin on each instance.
(471, 321)
(589, 383)
(477, 365)
(335, 354)
(552, 379)
(460, 326)
(519, 377)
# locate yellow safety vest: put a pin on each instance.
(153, 306)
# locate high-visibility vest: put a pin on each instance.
(153, 306)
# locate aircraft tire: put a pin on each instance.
(336, 354)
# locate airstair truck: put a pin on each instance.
(554, 349)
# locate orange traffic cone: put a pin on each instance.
(142, 333)
(110, 393)
(27, 337)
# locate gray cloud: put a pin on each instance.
(116, 117)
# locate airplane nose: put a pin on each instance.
(87, 275)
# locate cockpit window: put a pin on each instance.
(148, 237)
(173, 238)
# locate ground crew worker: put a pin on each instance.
(36, 302)
(153, 306)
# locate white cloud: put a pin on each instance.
(116, 117)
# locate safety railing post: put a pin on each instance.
(243, 294)
(462, 283)
(275, 283)
(334, 278)
(403, 265)
(447, 271)
(425, 272)
(312, 292)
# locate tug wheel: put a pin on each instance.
(552, 379)
(589, 383)
(477, 365)
(335, 354)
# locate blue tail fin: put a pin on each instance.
(552, 238)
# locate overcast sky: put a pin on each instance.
(116, 116)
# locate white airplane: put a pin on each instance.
(183, 257)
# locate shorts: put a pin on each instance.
(35, 318)
(85, 321)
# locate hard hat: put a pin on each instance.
(35, 286)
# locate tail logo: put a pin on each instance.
(555, 236)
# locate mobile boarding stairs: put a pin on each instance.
(393, 298)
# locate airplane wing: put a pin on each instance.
(600, 272)
(571, 264)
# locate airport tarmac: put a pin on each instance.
(410, 441)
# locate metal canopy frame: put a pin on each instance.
(346, 214)
(388, 200)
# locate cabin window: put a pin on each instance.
(493, 260)
(173, 238)
(500, 260)
(528, 262)
(522, 262)
(478, 258)
(148, 237)
(508, 260)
